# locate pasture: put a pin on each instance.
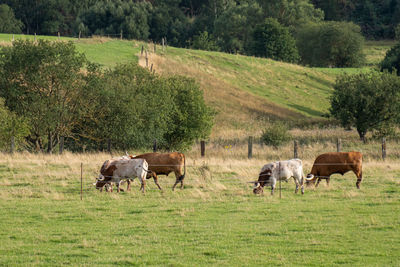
(215, 220)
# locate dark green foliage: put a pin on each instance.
(366, 101)
(377, 19)
(204, 41)
(331, 44)
(191, 118)
(391, 62)
(11, 125)
(112, 17)
(276, 135)
(234, 27)
(8, 22)
(272, 40)
(44, 83)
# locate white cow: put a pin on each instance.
(123, 168)
(280, 170)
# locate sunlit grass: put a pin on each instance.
(216, 219)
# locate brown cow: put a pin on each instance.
(163, 164)
(335, 162)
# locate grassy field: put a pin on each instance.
(215, 220)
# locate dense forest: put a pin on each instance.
(227, 23)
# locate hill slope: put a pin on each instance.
(247, 92)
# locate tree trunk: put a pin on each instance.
(362, 134)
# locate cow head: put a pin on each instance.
(263, 179)
(100, 183)
(310, 179)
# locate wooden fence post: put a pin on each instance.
(61, 145)
(203, 148)
(250, 147)
(162, 40)
(109, 145)
(12, 148)
(155, 47)
(383, 148)
(339, 144)
(151, 67)
(59, 36)
(81, 180)
(141, 52)
(295, 148)
(155, 145)
(79, 36)
(147, 59)
(120, 36)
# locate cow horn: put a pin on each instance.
(101, 177)
(310, 177)
(126, 152)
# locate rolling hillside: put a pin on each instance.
(246, 92)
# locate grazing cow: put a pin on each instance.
(119, 169)
(280, 170)
(335, 162)
(163, 164)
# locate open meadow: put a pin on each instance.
(214, 220)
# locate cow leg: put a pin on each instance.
(128, 186)
(359, 179)
(328, 180)
(155, 178)
(273, 186)
(297, 185)
(118, 186)
(319, 180)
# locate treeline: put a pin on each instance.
(181, 21)
(48, 90)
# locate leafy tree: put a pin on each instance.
(191, 118)
(11, 125)
(291, 13)
(44, 83)
(8, 22)
(205, 41)
(366, 101)
(273, 40)
(234, 27)
(331, 44)
(391, 62)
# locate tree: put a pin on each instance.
(366, 101)
(43, 81)
(234, 27)
(204, 41)
(272, 40)
(11, 125)
(331, 44)
(391, 62)
(8, 22)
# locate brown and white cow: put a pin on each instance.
(123, 168)
(280, 170)
(335, 162)
(164, 164)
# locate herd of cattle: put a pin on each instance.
(150, 165)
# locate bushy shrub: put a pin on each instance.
(331, 44)
(204, 41)
(391, 62)
(276, 135)
(273, 40)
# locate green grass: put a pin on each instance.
(215, 220)
(105, 51)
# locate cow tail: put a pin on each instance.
(184, 168)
